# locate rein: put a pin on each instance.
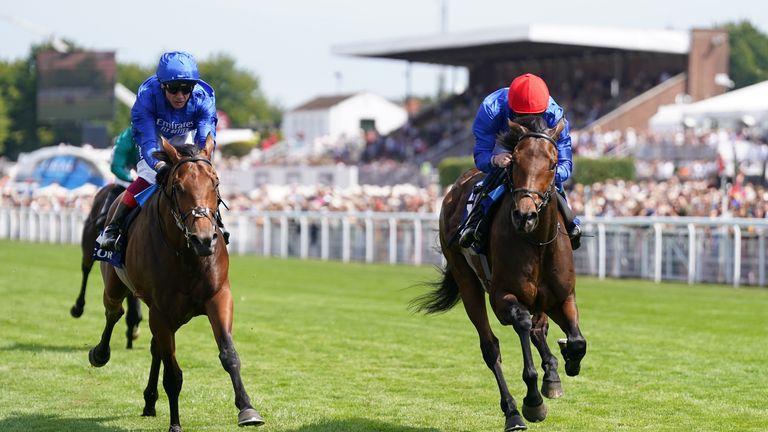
(197, 212)
(530, 193)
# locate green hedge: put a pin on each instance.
(451, 168)
(586, 170)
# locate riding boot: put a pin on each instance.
(575, 235)
(571, 222)
(111, 236)
(220, 224)
(470, 232)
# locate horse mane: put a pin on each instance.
(534, 123)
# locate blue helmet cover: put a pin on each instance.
(177, 65)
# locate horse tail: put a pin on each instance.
(443, 297)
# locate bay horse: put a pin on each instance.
(527, 269)
(177, 265)
(92, 225)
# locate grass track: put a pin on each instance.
(331, 347)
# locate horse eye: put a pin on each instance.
(552, 168)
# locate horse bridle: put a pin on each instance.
(197, 212)
(530, 193)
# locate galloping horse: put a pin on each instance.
(176, 263)
(529, 269)
(91, 227)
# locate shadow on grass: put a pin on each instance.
(42, 423)
(32, 347)
(358, 425)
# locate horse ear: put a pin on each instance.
(209, 145)
(170, 150)
(554, 133)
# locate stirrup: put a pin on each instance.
(468, 237)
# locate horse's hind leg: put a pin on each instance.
(510, 311)
(114, 293)
(77, 309)
(132, 319)
(473, 298)
(550, 384)
(219, 310)
(574, 348)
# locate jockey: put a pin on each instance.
(176, 104)
(124, 159)
(527, 95)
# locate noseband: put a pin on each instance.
(530, 193)
(197, 212)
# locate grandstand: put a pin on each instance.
(605, 78)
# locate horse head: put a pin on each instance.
(531, 174)
(192, 188)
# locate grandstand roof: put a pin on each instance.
(519, 43)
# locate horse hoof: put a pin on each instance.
(249, 417)
(514, 423)
(535, 414)
(551, 389)
(175, 428)
(96, 360)
(149, 412)
(76, 311)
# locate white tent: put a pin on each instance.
(749, 102)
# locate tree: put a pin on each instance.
(238, 93)
(749, 54)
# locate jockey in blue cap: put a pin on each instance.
(176, 104)
(527, 95)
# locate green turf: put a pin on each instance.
(329, 347)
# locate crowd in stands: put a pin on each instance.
(613, 198)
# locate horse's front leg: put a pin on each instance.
(574, 348)
(551, 386)
(150, 392)
(173, 378)
(510, 311)
(219, 310)
(473, 298)
(114, 293)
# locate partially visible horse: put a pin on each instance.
(93, 224)
(528, 273)
(176, 262)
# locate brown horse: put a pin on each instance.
(91, 227)
(528, 270)
(176, 263)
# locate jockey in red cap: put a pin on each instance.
(527, 95)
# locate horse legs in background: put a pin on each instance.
(85, 266)
(473, 298)
(219, 311)
(574, 347)
(132, 319)
(114, 293)
(510, 311)
(550, 384)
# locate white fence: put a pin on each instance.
(692, 250)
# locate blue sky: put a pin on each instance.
(288, 43)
